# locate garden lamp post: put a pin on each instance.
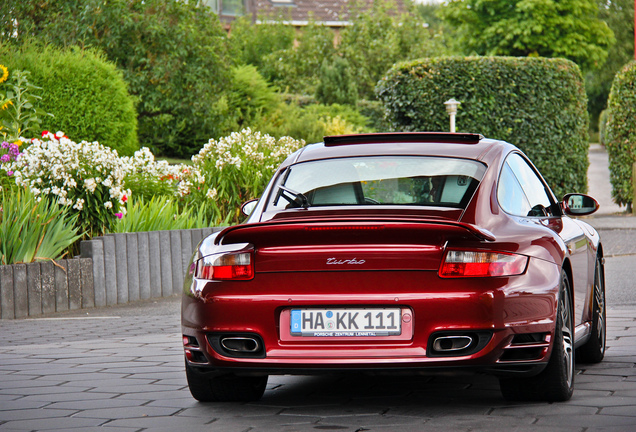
(451, 109)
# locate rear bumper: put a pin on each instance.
(513, 316)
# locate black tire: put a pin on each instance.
(206, 387)
(556, 382)
(594, 349)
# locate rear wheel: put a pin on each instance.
(205, 387)
(594, 349)
(556, 382)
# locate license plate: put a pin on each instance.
(346, 322)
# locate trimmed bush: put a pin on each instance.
(537, 104)
(85, 93)
(620, 133)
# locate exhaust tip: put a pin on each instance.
(237, 345)
(457, 343)
(452, 343)
(240, 344)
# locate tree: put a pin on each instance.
(380, 37)
(336, 85)
(548, 28)
(619, 15)
(173, 55)
(295, 68)
(251, 44)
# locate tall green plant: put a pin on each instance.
(160, 214)
(33, 228)
(21, 114)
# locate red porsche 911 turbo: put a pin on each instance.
(399, 252)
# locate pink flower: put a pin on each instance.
(10, 173)
(44, 133)
(119, 215)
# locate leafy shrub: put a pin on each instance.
(374, 112)
(291, 120)
(86, 94)
(87, 178)
(336, 83)
(33, 228)
(250, 96)
(338, 126)
(620, 133)
(233, 170)
(309, 122)
(160, 213)
(535, 103)
(172, 53)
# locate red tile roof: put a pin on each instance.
(329, 12)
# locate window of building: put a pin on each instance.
(212, 4)
(232, 7)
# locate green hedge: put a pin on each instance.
(620, 133)
(537, 104)
(85, 93)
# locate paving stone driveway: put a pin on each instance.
(121, 369)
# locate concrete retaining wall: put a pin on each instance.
(113, 269)
(28, 290)
(137, 266)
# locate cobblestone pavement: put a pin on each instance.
(121, 369)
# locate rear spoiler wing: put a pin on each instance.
(354, 224)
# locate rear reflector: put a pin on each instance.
(229, 266)
(481, 264)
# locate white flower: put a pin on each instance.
(90, 184)
(79, 204)
(108, 205)
(212, 193)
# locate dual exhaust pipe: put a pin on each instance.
(441, 344)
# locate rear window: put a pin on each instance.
(384, 180)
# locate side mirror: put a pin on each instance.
(248, 207)
(579, 204)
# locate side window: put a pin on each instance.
(537, 201)
(510, 195)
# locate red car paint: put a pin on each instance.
(379, 256)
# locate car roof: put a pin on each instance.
(439, 144)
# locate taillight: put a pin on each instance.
(227, 266)
(482, 264)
